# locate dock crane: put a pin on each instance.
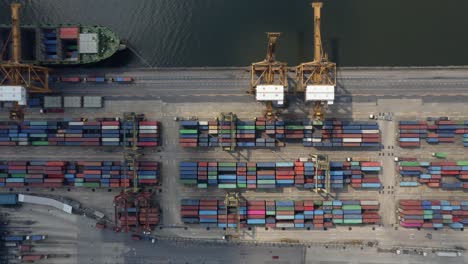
(269, 77)
(317, 79)
(322, 164)
(232, 204)
(131, 197)
(16, 78)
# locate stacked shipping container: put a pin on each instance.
(412, 132)
(94, 174)
(433, 214)
(78, 133)
(431, 173)
(282, 214)
(270, 175)
(345, 134)
(263, 133)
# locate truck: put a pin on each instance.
(25, 248)
(349, 159)
(70, 79)
(439, 155)
(36, 237)
(95, 79)
(448, 253)
(122, 79)
(13, 238)
(32, 257)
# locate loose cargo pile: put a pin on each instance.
(93, 174)
(433, 214)
(78, 133)
(269, 175)
(455, 173)
(281, 214)
(411, 133)
(262, 133)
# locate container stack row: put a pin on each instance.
(93, 174)
(281, 214)
(270, 175)
(262, 133)
(136, 216)
(437, 174)
(433, 214)
(49, 42)
(69, 38)
(411, 133)
(78, 133)
(345, 134)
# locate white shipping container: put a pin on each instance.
(375, 131)
(307, 139)
(148, 127)
(214, 131)
(285, 225)
(352, 140)
(76, 123)
(110, 139)
(364, 202)
(109, 127)
(316, 140)
(148, 131)
(203, 123)
(308, 127)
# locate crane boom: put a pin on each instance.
(272, 39)
(16, 31)
(318, 51)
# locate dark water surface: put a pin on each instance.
(170, 33)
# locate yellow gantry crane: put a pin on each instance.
(232, 205)
(317, 79)
(269, 77)
(131, 152)
(16, 76)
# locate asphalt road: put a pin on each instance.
(199, 85)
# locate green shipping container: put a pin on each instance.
(246, 127)
(285, 208)
(462, 163)
(227, 186)
(188, 131)
(202, 185)
(242, 185)
(428, 212)
(187, 181)
(409, 163)
(295, 127)
(3, 175)
(265, 181)
(352, 221)
(39, 143)
(226, 164)
(18, 175)
(78, 184)
(351, 207)
(338, 221)
(91, 184)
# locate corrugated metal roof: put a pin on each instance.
(92, 101)
(10, 93)
(72, 101)
(88, 43)
(270, 93)
(320, 93)
(52, 101)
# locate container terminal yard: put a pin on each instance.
(265, 164)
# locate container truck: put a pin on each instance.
(122, 79)
(13, 238)
(95, 79)
(36, 237)
(70, 79)
(439, 155)
(32, 257)
(448, 254)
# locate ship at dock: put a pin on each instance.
(61, 44)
